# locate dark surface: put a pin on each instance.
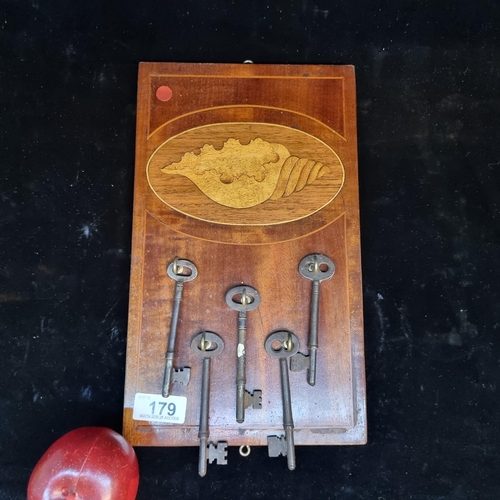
(428, 79)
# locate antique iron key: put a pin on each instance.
(207, 345)
(317, 268)
(242, 299)
(181, 271)
(283, 344)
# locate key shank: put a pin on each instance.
(313, 332)
(203, 431)
(241, 367)
(287, 413)
(169, 361)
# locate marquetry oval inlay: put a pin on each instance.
(245, 173)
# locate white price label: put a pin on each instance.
(156, 408)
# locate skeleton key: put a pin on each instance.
(242, 299)
(318, 268)
(207, 345)
(181, 271)
(283, 344)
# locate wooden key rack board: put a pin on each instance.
(244, 170)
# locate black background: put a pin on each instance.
(429, 159)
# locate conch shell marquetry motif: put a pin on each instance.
(244, 175)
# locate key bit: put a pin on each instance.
(217, 452)
(299, 362)
(180, 270)
(242, 299)
(276, 446)
(207, 345)
(282, 345)
(253, 399)
(181, 376)
(317, 268)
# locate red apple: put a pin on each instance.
(90, 463)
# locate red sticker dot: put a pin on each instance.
(164, 93)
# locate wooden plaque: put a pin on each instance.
(244, 170)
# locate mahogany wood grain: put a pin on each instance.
(260, 245)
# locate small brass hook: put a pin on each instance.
(314, 265)
(244, 298)
(176, 268)
(288, 343)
